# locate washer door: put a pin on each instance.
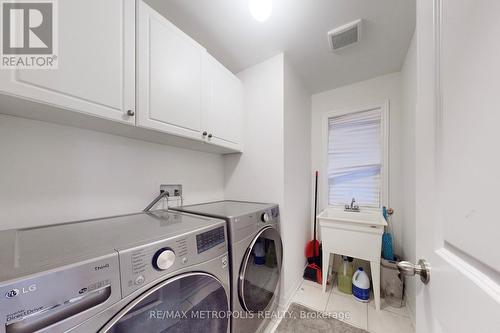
(180, 304)
(260, 271)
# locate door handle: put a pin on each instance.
(422, 268)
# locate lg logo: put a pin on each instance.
(14, 292)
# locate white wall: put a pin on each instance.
(356, 95)
(51, 173)
(296, 230)
(409, 95)
(275, 165)
(257, 174)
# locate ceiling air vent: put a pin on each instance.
(345, 35)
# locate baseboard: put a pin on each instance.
(409, 309)
(284, 302)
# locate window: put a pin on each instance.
(355, 158)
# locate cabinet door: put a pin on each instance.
(96, 61)
(222, 115)
(169, 76)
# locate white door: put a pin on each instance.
(96, 56)
(169, 76)
(458, 165)
(223, 107)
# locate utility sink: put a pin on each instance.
(353, 234)
(370, 218)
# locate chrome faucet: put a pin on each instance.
(353, 207)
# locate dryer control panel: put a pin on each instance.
(243, 226)
(145, 263)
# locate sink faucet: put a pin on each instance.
(352, 207)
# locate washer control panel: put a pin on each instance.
(143, 264)
(163, 259)
(207, 240)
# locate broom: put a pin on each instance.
(313, 248)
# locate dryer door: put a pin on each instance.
(260, 271)
(180, 304)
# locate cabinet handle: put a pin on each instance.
(210, 136)
(130, 113)
(205, 133)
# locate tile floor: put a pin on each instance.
(362, 315)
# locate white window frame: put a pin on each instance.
(384, 170)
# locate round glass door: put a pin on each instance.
(260, 271)
(181, 304)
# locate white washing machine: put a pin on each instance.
(256, 254)
(149, 272)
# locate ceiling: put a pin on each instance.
(298, 28)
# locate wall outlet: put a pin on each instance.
(173, 190)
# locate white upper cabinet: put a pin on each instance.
(182, 90)
(184, 96)
(96, 55)
(169, 76)
(223, 105)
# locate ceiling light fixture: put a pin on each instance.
(260, 9)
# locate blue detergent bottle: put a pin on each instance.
(387, 248)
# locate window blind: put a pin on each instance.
(354, 158)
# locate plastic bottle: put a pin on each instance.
(259, 253)
(344, 275)
(271, 258)
(361, 286)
